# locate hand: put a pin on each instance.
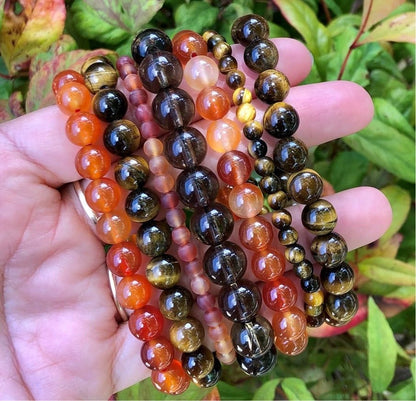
(58, 335)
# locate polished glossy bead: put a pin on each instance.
(92, 162)
(315, 321)
(305, 186)
(310, 284)
(132, 81)
(254, 338)
(157, 353)
(281, 219)
(133, 292)
(185, 147)
(198, 363)
(329, 250)
(341, 308)
(173, 108)
(73, 97)
(225, 263)
(261, 55)
(163, 271)
(314, 298)
(258, 366)
(312, 310)
(142, 205)
(240, 302)
(319, 217)
(113, 227)
(292, 346)
(246, 200)
(187, 45)
(290, 155)
(294, 253)
(94, 60)
(235, 79)
(102, 195)
(149, 41)
(109, 104)
(197, 187)
(123, 259)
(289, 323)
(65, 77)
(221, 49)
(280, 293)
(303, 269)
(245, 113)
(212, 378)
(338, 280)
(100, 75)
(172, 380)
(257, 148)
(234, 167)
(83, 128)
(160, 70)
(213, 40)
(212, 226)
(278, 200)
(227, 63)
(223, 135)
(187, 334)
(271, 86)
(268, 264)
(200, 284)
(175, 303)
(255, 233)
(201, 72)
(264, 166)
(281, 120)
(212, 103)
(269, 184)
(248, 28)
(242, 96)
(253, 130)
(288, 236)
(146, 323)
(131, 172)
(154, 238)
(122, 137)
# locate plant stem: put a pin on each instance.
(326, 11)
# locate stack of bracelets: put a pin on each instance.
(155, 204)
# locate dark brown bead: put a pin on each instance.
(278, 200)
(329, 250)
(269, 184)
(253, 130)
(261, 55)
(131, 172)
(175, 303)
(310, 284)
(319, 217)
(214, 40)
(257, 148)
(248, 28)
(315, 321)
(154, 238)
(338, 280)
(122, 137)
(340, 309)
(142, 205)
(198, 363)
(109, 104)
(163, 271)
(258, 366)
(100, 75)
(227, 63)
(288, 236)
(281, 219)
(235, 79)
(212, 378)
(221, 49)
(290, 155)
(303, 269)
(281, 120)
(305, 186)
(313, 310)
(295, 253)
(264, 166)
(149, 41)
(187, 334)
(271, 86)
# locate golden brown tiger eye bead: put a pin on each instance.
(338, 280)
(305, 186)
(235, 79)
(122, 137)
(109, 104)
(163, 271)
(131, 172)
(290, 155)
(340, 309)
(227, 63)
(295, 253)
(242, 96)
(212, 378)
(257, 148)
(248, 28)
(261, 55)
(303, 269)
(288, 236)
(281, 120)
(142, 205)
(187, 334)
(271, 86)
(319, 217)
(310, 284)
(278, 200)
(269, 184)
(221, 49)
(264, 166)
(175, 303)
(198, 363)
(94, 60)
(329, 250)
(314, 298)
(245, 112)
(154, 238)
(315, 321)
(253, 130)
(281, 219)
(99, 76)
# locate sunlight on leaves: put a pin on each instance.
(375, 10)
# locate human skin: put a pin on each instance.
(58, 335)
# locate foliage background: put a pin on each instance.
(370, 42)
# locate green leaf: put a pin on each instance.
(267, 390)
(387, 290)
(406, 392)
(337, 25)
(375, 10)
(334, 7)
(1, 12)
(399, 200)
(382, 352)
(296, 389)
(197, 16)
(230, 392)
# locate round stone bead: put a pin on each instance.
(201, 72)
(212, 226)
(295, 253)
(185, 148)
(223, 135)
(311, 310)
(235, 79)
(212, 103)
(290, 155)
(212, 378)
(258, 366)
(240, 302)
(268, 264)
(289, 323)
(123, 259)
(255, 233)
(315, 321)
(163, 271)
(94, 60)
(305, 186)
(338, 280)
(269, 184)
(319, 217)
(109, 104)
(160, 70)
(131, 172)
(197, 187)
(271, 86)
(281, 219)
(175, 303)
(99, 76)
(248, 28)
(133, 292)
(198, 363)
(173, 108)
(234, 167)
(279, 294)
(253, 130)
(187, 334)
(221, 49)
(213, 40)
(121, 137)
(246, 200)
(310, 284)
(113, 227)
(292, 346)
(340, 309)
(314, 298)
(303, 269)
(172, 380)
(149, 41)
(142, 205)
(146, 323)
(245, 112)
(278, 200)
(154, 238)
(102, 195)
(281, 120)
(83, 128)
(242, 96)
(188, 44)
(225, 263)
(92, 162)
(157, 353)
(329, 250)
(261, 55)
(227, 63)
(288, 236)
(257, 148)
(73, 97)
(252, 339)
(65, 77)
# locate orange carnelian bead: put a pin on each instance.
(146, 323)
(289, 323)
(234, 167)
(92, 162)
(133, 292)
(256, 233)
(173, 380)
(201, 72)
(292, 346)
(268, 264)
(212, 103)
(223, 135)
(157, 353)
(187, 44)
(279, 294)
(64, 77)
(83, 128)
(102, 195)
(113, 227)
(124, 259)
(246, 200)
(72, 97)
